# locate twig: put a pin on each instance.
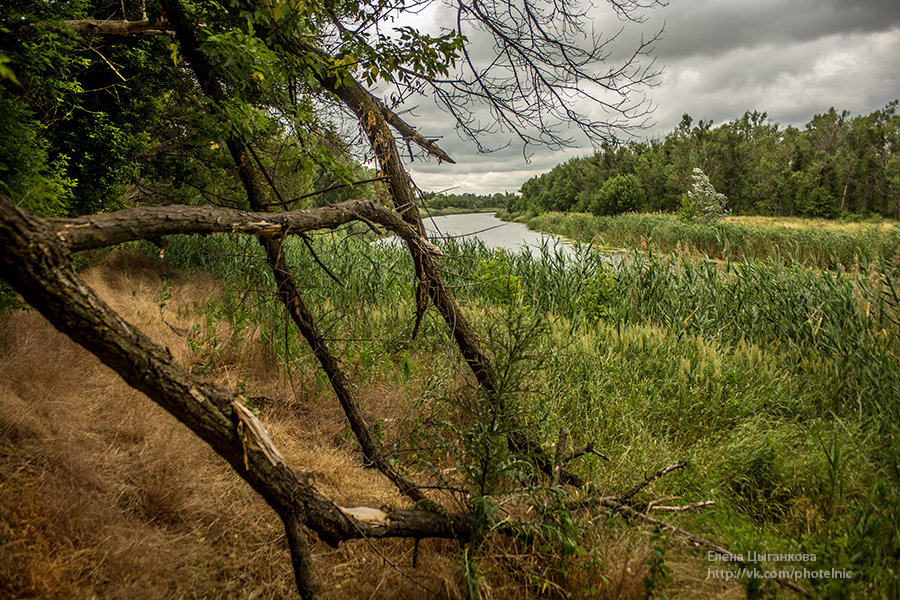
(557, 459)
(658, 501)
(642, 484)
(589, 449)
(315, 256)
(372, 226)
(116, 71)
(336, 186)
(682, 508)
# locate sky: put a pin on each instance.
(719, 58)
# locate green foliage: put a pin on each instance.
(658, 573)
(598, 292)
(837, 165)
(497, 282)
(81, 112)
(622, 193)
(6, 72)
(687, 209)
(28, 175)
(467, 201)
(471, 579)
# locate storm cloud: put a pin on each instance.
(719, 58)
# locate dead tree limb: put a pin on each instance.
(650, 479)
(300, 557)
(287, 289)
(37, 265)
(151, 222)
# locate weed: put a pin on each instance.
(658, 573)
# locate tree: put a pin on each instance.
(239, 93)
(619, 194)
(702, 201)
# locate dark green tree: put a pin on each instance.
(620, 194)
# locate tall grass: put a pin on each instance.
(780, 384)
(813, 247)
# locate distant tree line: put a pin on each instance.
(835, 166)
(467, 201)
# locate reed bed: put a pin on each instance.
(777, 382)
(819, 247)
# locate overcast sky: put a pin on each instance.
(789, 58)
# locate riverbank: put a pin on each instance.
(450, 210)
(738, 238)
(776, 384)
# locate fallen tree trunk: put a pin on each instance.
(37, 264)
(110, 229)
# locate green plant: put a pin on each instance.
(658, 572)
(471, 579)
(163, 295)
(687, 208)
(618, 194)
(597, 293)
(495, 280)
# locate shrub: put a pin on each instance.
(620, 194)
(597, 293)
(496, 281)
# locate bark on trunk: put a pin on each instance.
(288, 291)
(99, 231)
(36, 264)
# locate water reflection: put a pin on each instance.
(495, 233)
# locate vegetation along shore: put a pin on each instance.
(216, 381)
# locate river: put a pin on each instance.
(495, 233)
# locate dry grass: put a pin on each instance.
(805, 223)
(104, 495)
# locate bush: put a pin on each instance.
(597, 293)
(496, 281)
(620, 194)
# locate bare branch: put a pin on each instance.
(112, 27)
(110, 229)
(681, 508)
(558, 458)
(650, 479)
(589, 449)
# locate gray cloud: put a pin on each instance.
(791, 59)
(702, 29)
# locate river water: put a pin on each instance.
(495, 233)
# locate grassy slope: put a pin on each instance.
(102, 494)
(770, 431)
